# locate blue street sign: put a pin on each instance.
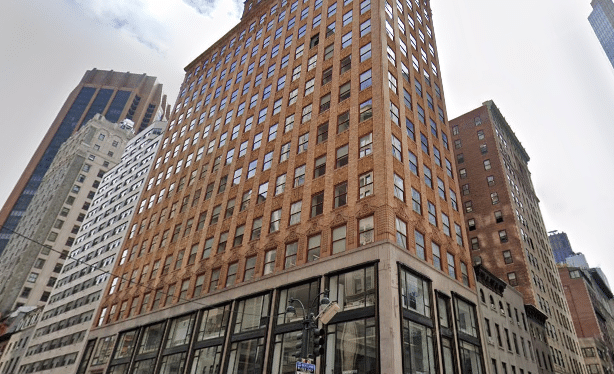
(303, 367)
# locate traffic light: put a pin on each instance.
(299, 346)
(318, 341)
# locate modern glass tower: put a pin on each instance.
(115, 95)
(602, 21)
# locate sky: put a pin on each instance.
(539, 61)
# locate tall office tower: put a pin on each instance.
(513, 345)
(307, 155)
(505, 226)
(61, 334)
(602, 21)
(115, 95)
(561, 247)
(33, 258)
(590, 301)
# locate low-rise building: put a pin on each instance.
(510, 347)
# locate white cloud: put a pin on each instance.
(133, 17)
(207, 7)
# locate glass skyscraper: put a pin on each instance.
(602, 21)
(115, 95)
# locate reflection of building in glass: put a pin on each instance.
(602, 21)
(308, 150)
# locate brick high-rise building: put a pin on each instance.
(590, 301)
(505, 226)
(116, 96)
(307, 153)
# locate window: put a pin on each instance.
(366, 185)
(475, 244)
(299, 176)
(322, 133)
(416, 201)
(262, 192)
(344, 91)
(394, 114)
(435, 249)
(399, 189)
(471, 224)
(284, 153)
(494, 198)
(512, 280)
(338, 239)
(325, 103)
(250, 267)
(365, 50)
(343, 122)
(306, 114)
(280, 184)
(366, 110)
(365, 80)
(340, 195)
(346, 40)
(256, 228)
(413, 163)
(507, 257)
(428, 178)
(465, 189)
(486, 164)
(269, 262)
(459, 234)
(346, 64)
(503, 236)
(319, 166)
(317, 204)
(366, 143)
(290, 258)
(342, 156)
(396, 148)
(365, 231)
(468, 206)
(451, 266)
(392, 82)
(313, 248)
(432, 213)
(276, 219)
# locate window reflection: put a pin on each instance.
(180, 331)
(246, 357)
(351, 347)
(415, 294)
(207, 360)
(306, 293)
(252, 313)
(214, 323)
(417, 348)
(355, 289)
(152, 336)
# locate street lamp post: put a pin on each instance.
(310, 327)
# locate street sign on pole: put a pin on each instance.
(304, 367)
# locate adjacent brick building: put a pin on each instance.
(590, 302)
(505, 226)
(307, 153)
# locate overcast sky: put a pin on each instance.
(538, 60)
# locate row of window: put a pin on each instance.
(197, 342)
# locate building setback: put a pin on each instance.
(32, 260)
(590, 302)
(17, 338)
(602, 22)
(62, 331)
(505, 227)
(307, 153)
(116, 96)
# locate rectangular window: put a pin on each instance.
(342, 156)
(401, 228)
(319, 166)
(365, 231)
(340, 195)
(366, 185)
(366, 143)
(343, 122)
